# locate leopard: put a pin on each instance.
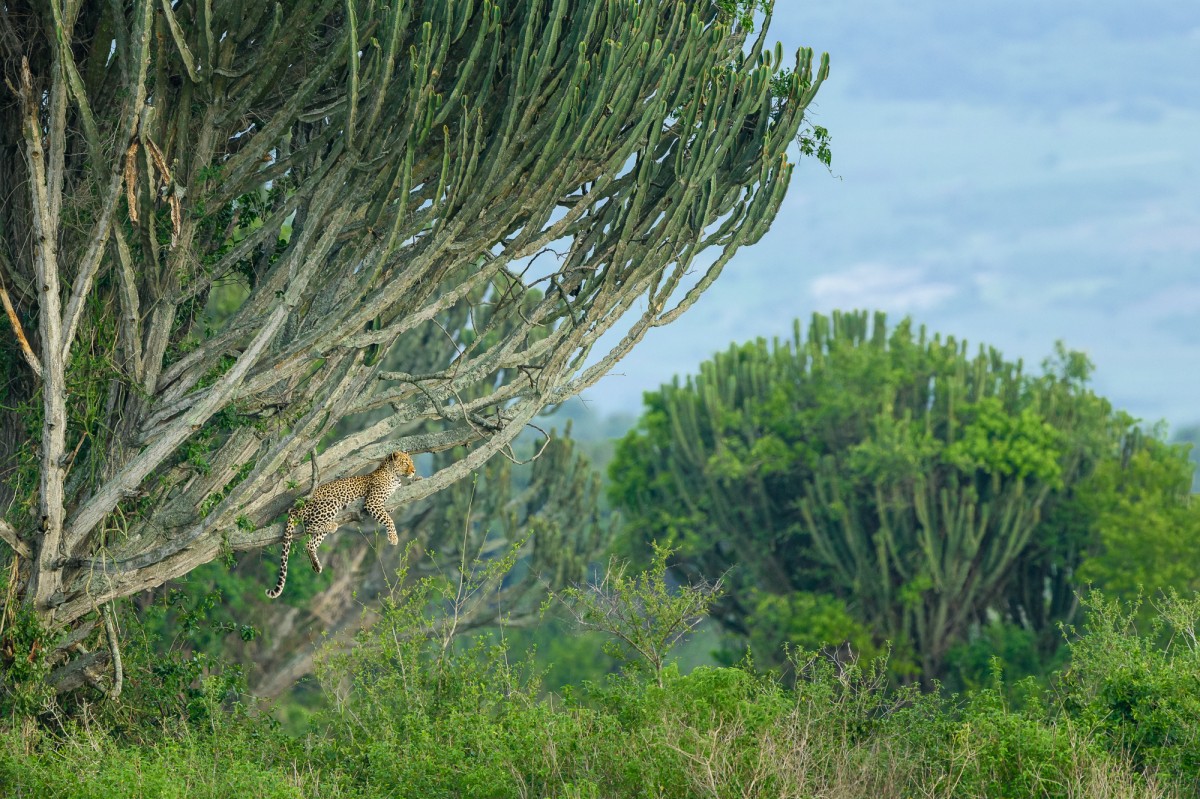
(319, 514)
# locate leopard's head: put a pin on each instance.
(402, 463)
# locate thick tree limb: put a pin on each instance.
(84, 669)
(45, 187)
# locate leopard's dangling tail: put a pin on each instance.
(288, 535)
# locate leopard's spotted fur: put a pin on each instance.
(320, 513)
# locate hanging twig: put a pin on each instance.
(512, 456)
(114, 648)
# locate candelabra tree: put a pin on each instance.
(355, 169)
(927, 489)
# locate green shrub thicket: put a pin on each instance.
(416, 710)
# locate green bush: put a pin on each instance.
(1008, 754)
(1138, 691)
(23, 668)
(970, 665)
(801, 619)
(86, 762)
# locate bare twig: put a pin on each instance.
(508, 453)
(460, 597)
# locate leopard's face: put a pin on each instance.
(402, 463)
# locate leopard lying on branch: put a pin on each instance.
(319, 514)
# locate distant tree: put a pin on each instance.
(356, 171)
(921, 487)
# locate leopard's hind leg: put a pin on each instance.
(315, 538)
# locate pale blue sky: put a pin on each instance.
(1010, 173)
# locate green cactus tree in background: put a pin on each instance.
(355, 168)
(913, 482)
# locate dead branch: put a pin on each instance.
(26, 350)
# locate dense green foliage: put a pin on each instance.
(1146, 527)
(883, 484)
(416, 710)
(1138, 696)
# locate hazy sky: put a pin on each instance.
(1009, 173)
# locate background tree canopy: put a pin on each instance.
(351, 177)
(861, 477)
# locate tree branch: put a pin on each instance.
(90, 263)
(26, 350)
(90, 514)
(13, 540)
